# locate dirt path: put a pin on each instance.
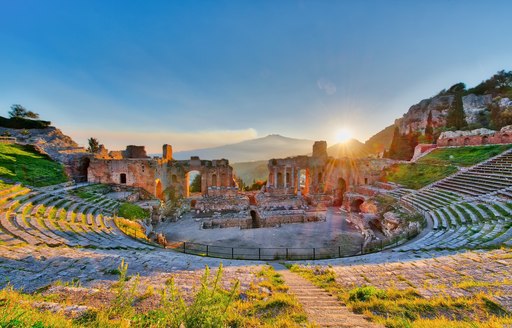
(322, 308)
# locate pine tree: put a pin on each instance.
(94, 145)
(456, 117)
(429, 130)
(395, 144)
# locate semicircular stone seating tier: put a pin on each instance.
(470, 209)
(53, 218)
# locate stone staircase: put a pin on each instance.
(322, 308)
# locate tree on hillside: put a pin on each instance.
(94, 145)
(499, 84)
(21, 112)
(195, 186)
(402, 146)
(456, 117)
(429, 129)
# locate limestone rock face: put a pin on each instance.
(58, 146)
(456, 134)
(416, 116)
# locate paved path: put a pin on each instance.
(322, 308)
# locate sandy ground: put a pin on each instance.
(334, 232)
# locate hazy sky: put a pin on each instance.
(203, 73)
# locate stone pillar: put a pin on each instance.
(285, 182)
(293, 176)
(275, 177)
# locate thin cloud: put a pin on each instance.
(326, 86)
(118, 140)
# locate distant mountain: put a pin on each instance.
(271, 146)
(352, 148)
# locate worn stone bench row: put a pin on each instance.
(38, 231)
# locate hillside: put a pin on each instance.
(380, 141)
(271, 146)
(24, 164)
(487, 105)
(439, 164)
(352, 148)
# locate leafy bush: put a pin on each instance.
(23, 123)
(363, 294)
(132, 212)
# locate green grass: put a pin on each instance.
(439, 164)
(392, 307)
(265, 303)
(132, 211)
(462, 156)
(415, 176)
(23, 164)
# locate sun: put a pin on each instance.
(343, 135)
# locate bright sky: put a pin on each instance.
(203, 73)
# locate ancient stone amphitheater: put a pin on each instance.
(47, 235)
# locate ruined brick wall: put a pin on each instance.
(135, 152)
(164, 178)
(141, 173)
(476, 140)
(319, 175)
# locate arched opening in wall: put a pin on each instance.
(485, 140)
(450, 142)
(466, 141)
(214, 180)
(288, 179)
(159, 193)
(319, 177)
(194, 183)
(304, 181)
(255, 220)
(341, 188)
(84, 166)
(122, 178)
(365, 181)
(174, 179)
(355, 206)
(505, 138)
(279, 180)
(223, 182)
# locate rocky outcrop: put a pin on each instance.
(416, 116)
(58, 146)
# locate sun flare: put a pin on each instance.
(343, 135)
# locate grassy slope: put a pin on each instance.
(24, 164)
(439, 164)
(463, 156)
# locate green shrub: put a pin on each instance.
(132, 212)
(365, 293)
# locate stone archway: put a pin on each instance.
(355, 205)
(485, 140)
(122, 178)
(159, 190)
(466, 141)
(450, 142)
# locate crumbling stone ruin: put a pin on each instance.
(320, 179)
(475, 137)
(164, 177)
